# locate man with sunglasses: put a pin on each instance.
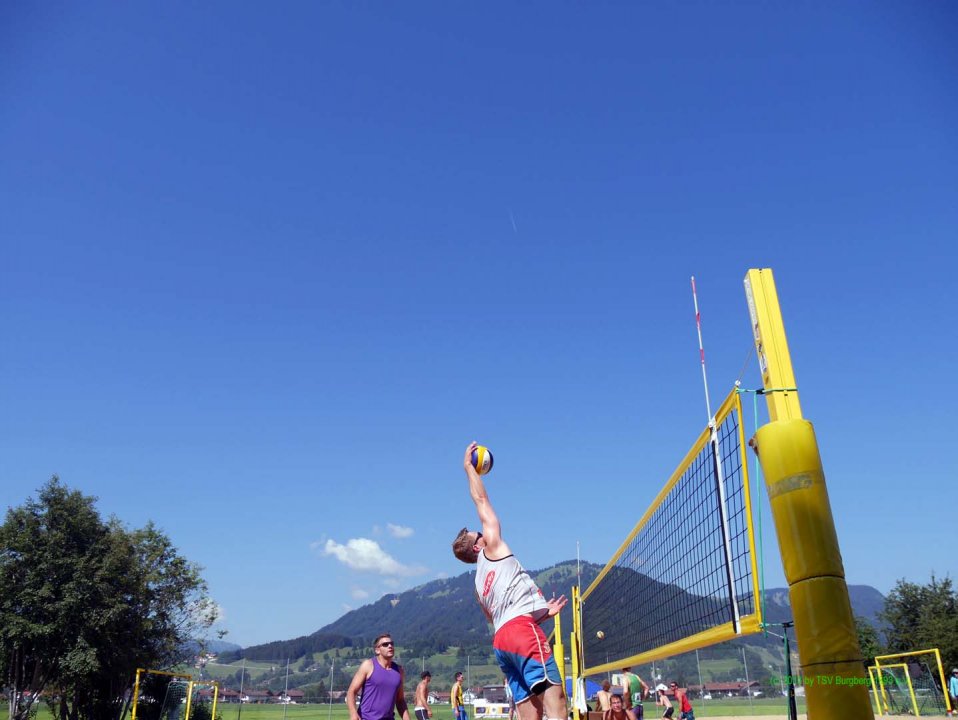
(381, 682)
(515, 606)
(682, 698)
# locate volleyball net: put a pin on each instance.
(686, 576)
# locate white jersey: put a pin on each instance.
(506, 591)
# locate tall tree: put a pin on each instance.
(868, 640)
(84, 602)
(919, 617)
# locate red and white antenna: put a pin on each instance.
(698, 327)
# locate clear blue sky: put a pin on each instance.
(267, 270)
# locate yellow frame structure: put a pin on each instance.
(189, 697)
(136, 687)
(748, 624)
(913, 653)
(881, 696)
(811, 558)
(871, 678)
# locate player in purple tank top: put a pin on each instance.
(381, 682)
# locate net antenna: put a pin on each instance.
(719, 479)
(705, 380)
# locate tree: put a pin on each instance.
(868, 640)
(84, 602)
(918, 617)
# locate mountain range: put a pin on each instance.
(442, 613)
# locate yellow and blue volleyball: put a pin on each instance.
(482, 459)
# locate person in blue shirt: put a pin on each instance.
(953, 690)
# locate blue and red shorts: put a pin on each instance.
(525, 657)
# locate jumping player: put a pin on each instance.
(515, 607)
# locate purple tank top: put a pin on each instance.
(379, 692)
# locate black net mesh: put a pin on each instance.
(672, 581)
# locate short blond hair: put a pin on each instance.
(463, 549)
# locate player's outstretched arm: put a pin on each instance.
(487, 515)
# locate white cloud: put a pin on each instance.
(366, 555)
(442, 575)
(346, 607)
(358, 593)
(398, 531)
(391, 582)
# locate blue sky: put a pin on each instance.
(266, 271)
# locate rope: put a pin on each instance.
(758, 496)
(748, 356)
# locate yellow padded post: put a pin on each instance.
(788, 451)
(824, 623)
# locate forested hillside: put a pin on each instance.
(444, 613)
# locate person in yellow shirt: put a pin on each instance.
(455, 697)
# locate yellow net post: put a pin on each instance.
(559, 649)
(575, 651)
(788, 452)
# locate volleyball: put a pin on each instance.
(600, 635)
(482, 459)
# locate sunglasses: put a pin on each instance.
(386, 644)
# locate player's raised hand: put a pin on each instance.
(467, 458)
(556, 604)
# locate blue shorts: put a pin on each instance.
(525, 657)
(461, 713)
